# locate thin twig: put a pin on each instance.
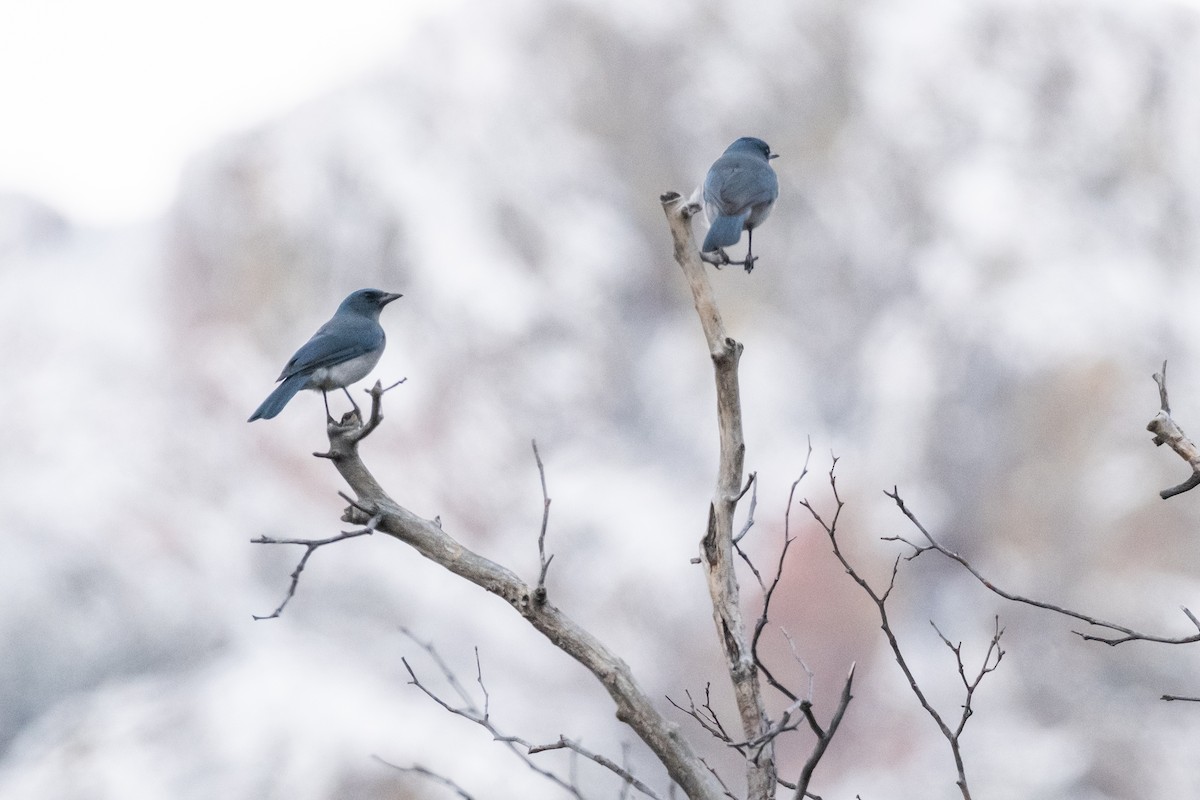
(310, 546)
(1160, 378)
(469, 710)
(377, 392)
(624, 774)
(769, 592)
(351, 429)
(737, 548)
(880, 600)
(355, 504)
(427, 773)
(1128, 634)
(824, 737)
(539, 594)
(761, 623)
(720, 780)
(705, 715)
(523, 749)
(751, 483)
(991, 660)
(808, 673)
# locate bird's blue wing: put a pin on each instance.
(737, 182)
(338, 340)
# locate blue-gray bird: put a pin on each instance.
(340, 353)
(739, 190)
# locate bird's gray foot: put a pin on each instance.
(718, 258)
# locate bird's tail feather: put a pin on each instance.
(725, 232)
(279, 398)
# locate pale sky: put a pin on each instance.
(101, 103)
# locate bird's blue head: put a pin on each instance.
(749, 144)
(368, 302)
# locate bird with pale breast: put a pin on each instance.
(343, 351)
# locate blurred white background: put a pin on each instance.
(986, 242)
(104, 103)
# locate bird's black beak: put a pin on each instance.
(772, 155)
(388, 297)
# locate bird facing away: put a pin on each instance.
(739, 190)
(340, 353)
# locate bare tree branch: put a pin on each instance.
(310, 546)
(705, 715)
(1167, 431)
(801, 709)
(470, 710)
(1127, 634)
(752, 487)
(991, 660)
(717, 544)
(539, 594)
(808, 673)
(763, 618)
(417, 769)
(824, 737)
(769, 592)
(717, 776)
(351, 425)
(621, 772)
(751, 484)
(952, 736)
(427, 537)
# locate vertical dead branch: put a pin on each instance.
(717, 545)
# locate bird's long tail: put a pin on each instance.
(725, 232)
(279, 398)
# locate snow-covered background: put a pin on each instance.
(986, 242)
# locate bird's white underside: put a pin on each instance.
(344, 374)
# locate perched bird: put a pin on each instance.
(340, 353)
(739, 190)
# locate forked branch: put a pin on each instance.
(469, 708)
(310, 546)
(371, 502)
(1167, 431)
(879, 598)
